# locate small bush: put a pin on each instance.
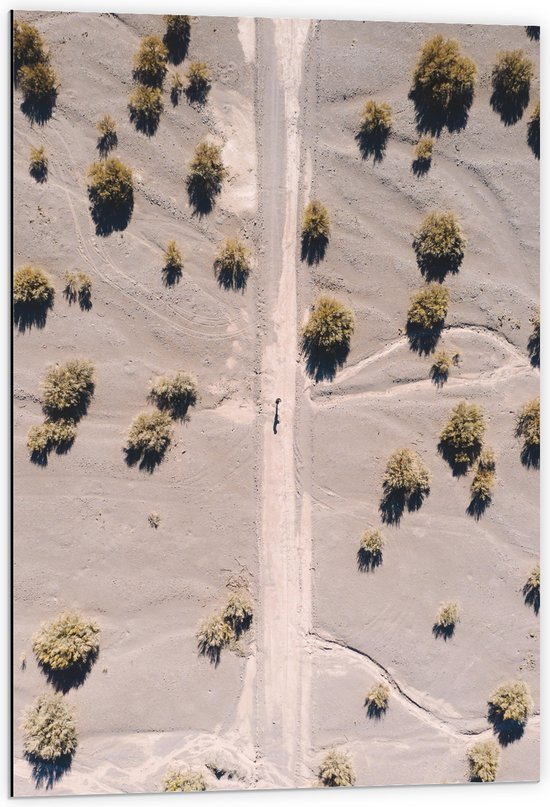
(446, 620)
(511, 80)
(232, 264)
(173, 264)
(330, 325)
(533, 131)
(336, 770)
(108, 138)
(528, 427)
(484, 478)
(423, 155)
(176, 88)
(148, 438)
(238, 612)
(154, 520)
(32, 287)
(28, 45)
(508, 709)
(150, 61)
(175, 394)
(443, 85)
(315, 232)
(38, 164)
(483, 760)
(66, 642)
(205, 177)
(461, 438)
(531, 589)
(213, 635)
(78, 286)
(376, 124)
(177, 36)
(184, 782)
(199, 79)
(377, 700)
(49, 729)
(439, 371)
(145, 105)
(38, 83)
(428, 307)
(68, 388)
(533, 344)
(369, 555)
(439, 245)
(53, 435)
(111, 192)
(406, 482)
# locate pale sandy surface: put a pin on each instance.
(283, 513)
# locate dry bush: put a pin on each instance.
(52, 435)
(428, 307)
(315, 232)
(175, 393)
(145, 105)
(49, 729)
(377, 700)
(239, 612)
(28, 45)
(68, 641)
(38, 82)
(533, 345)
(32, 287)
(330, 325)
(531, 589)
(462, 437)
(213, 635)
(443, 85)
(205, 177)
(439, 245)
(439, 371)
(111, 193)
(173, 264)
(199, 79)
(232, 264)
(511, 80)
(184, 782)
(336, 770)
(78, 286)
(376, 124)
(108, 138)
(68, 389)
(533, 131)
(38, 164)
(446, 620)
(176, 87)
(150, 61)
(406, 482)
(177, 36)
(423, 153)
(148, 438)
(483, 760)
(528, 427)
(154, 520)
(369, 555)
(508, 709)
(484, 477)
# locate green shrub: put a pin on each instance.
(330, 325)
(32, 287)
(232, 264)
(406, 474)
(145, 105)
(199, 78)
(484, 477)
(439, 370)
(238, 612)
(184, 782)
(439, 245)
(52, 435)
(38, 83)
(533, 130)
(175, 394)
(336, 770)
(511, 702)
(206, 173)
(511, 80)
(150, 434)
(38, 164)
(462, 437)
(213, 635)
(28, 45)
(150, 61)
(108, 137)
(531, 589)
(173, 263)
(111, 183)
(428, 307)
(528, 423)
(369, 555)
(443, 83)
(68, 388)
(66, 642)
(377, 700)
(483, 759)
(315, 232)
(78, 285)
(49, 729)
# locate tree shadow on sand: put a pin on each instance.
(368, 561)
(171, 275)
(72, 678)
(531, 596)
(109, 218)
(396, 501)
(533, 347)
(510, 106)
(444, 632)
(145, 121)
(177, 43)
(229, 278)
(41, 457)
(201, 195)
(431, 118)
(372, 145)
(533, 32)
(421, 166)
(313, 249)
(106, 143)
(197, 94)
(423, 340)
(450, 454)
(375, 712)
(530, 456)
(322, 365)
(478, 505)
(45, 773)
(29, 315)
(438, 268)
(533, 136)
(146, 460)
(506, 731)
(38, 110)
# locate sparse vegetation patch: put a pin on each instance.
(232, 264)
(483, 760)
(184, 782)
(528, 427)
(369, 555)
(68, 641)
(377, 700)
(199, 79)
(238, 612)
(406, 482)
(52, 435)
(68, 389)
(531, 589)
(32, 287)
(206, 174)
(462, 437)
(145, 105)
(336, 770)
(148, 438)
(49, 729)
(108, 138)
(439, 245)
(175, 394)
(150, 61)
(446, 620)
(376, 124)
(111, 193)
(511, 79)
(508, 710)
(315, 232)
(38, 164)
(213, 635)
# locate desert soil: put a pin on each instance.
(281, 513)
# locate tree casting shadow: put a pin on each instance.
(177, 44)
(395, 501)
(368, 561)
(421, 166)
(109, 218)
(438, 376)
(45, 773)
(449, 454)
(506, 731)
(39, 172)
(146, 460)
(533, 137)
(228, 278)
(146, 122)
(197, 94)
(444, 632)
(375, 712)
(106, 143)
(372, 145)
(29, 315)
(321, 365)
(313, 249)
(432, 118)
(41, 457)
(438, 268)
(530, 456)
(531, 596)
(72, 678)
(171, 276)
(423, 341)
(510, 106)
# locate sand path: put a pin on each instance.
(282, 642)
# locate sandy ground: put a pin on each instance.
(281, 512)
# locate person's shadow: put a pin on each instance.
(276, 419)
